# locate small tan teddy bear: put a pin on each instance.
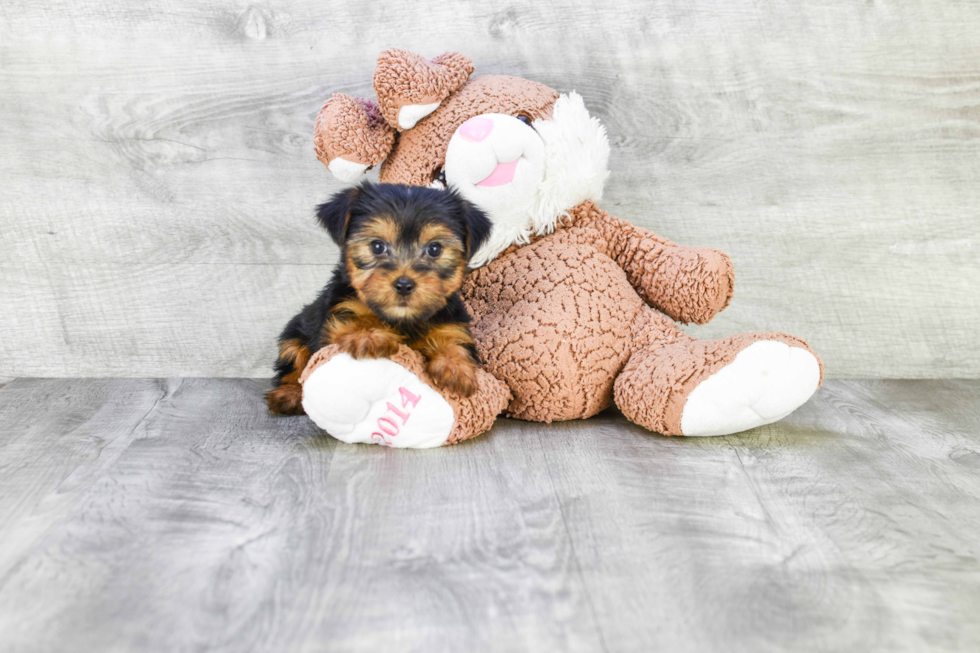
(573, 309)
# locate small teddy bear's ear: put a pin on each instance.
(350, 136)
(409, 88)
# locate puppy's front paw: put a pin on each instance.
(369, 343)
(453, 373)
(286, 399)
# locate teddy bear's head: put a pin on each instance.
(519, 150)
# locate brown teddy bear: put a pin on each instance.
(573, 309)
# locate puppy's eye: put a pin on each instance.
(441, 177)
(433, 250)
(525, 119)
(378, 247)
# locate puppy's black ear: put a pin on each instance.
(334, 215)
(478, 227)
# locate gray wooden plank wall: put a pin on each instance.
(157, 173)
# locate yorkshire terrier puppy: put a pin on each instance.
(404, 251)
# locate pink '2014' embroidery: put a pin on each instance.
(389, 428)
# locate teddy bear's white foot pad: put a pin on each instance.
(767, 381)
(376, 401)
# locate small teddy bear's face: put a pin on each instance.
(497, 162)
(418, 157)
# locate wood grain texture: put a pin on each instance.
(176, 514)
(157, 175)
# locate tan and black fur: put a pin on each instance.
(404, 252)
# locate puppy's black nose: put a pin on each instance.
(404, 286)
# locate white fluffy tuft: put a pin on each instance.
(576, 168)
(576, 162)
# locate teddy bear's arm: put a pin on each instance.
(689, 284)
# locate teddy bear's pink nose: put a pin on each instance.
(476, 129)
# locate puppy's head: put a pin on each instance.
(405, 248)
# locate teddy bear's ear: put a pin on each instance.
(409, 88)
(350, 136)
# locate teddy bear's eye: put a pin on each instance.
(439, 179)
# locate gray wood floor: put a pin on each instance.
(176, 515)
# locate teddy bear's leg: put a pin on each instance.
(677, 385)
(392, 402)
